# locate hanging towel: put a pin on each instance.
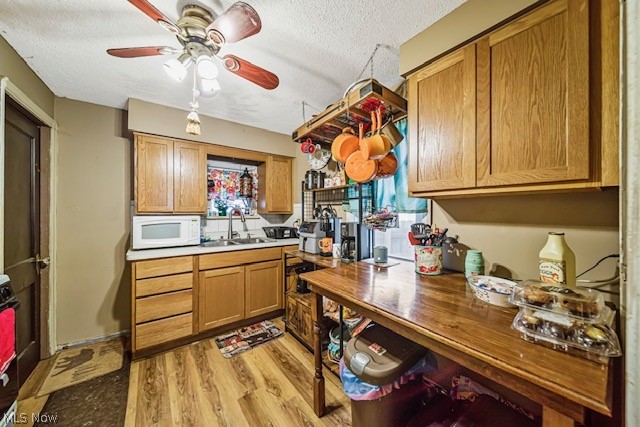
(7, 338)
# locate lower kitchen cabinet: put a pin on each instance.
(163, 331)
(263, 288)
(175, 298)
(221, 297)
(298, 315)
(161, 301)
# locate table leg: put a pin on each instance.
(318, 380)
(552, 418)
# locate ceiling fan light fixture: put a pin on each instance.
(177, 68)
(206, 67)
(208, 88)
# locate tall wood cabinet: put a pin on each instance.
(276, 185)
(520, 109)
(170, 176)
(153, 174)
(533, 92)
(190, 184)
(444, 112)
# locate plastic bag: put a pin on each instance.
(357, 389)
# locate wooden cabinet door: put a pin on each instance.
(190, 182)
(263, 288)
(220, 297)
(442, 123)
(292, 313)
(276, 189)
(533, 97)
(153, 174)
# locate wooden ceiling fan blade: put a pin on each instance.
(153, 13)
(236, 23)
(136, 52)
(253, 73)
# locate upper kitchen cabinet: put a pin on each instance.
(275, 191)
(442, 116)
(190, 188)
(528, 107)
(533, 98)
(153, 174)
(170, 176)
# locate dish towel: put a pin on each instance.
(7, 338)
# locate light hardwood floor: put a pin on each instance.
(267, 386)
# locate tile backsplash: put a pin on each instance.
(216, 228)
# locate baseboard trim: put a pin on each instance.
(94, 340)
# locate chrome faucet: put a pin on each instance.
(231, 212)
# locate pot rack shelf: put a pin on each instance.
(325, 126)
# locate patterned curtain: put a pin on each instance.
(394, 191)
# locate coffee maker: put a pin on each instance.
(356, 242)
(310, 235)
(331, 226)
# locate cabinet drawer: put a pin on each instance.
(165, 305)
(162, 331)
(163, 267)
(164, 284)
(233, 258)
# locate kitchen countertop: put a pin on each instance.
(142, 254)
(328, 262)
(440, 313)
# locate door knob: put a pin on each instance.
(43, 262)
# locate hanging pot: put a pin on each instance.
(392, 133)
(375, 146)
(387, 166)
(344, 145)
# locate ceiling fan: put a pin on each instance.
(202, 34)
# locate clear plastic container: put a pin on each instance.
(567, 333)
(582, 304)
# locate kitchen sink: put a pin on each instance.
(253, 240)
(219, 243)
(234, 242)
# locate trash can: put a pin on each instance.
(382, 374)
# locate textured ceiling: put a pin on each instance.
(317, 48)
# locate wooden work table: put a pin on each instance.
(439, 313)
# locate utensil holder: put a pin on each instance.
(428, 260)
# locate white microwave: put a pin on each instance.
(150, 232)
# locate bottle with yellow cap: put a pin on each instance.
(557, 262)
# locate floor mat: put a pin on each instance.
(76, 365)
(243, 339)
(99, 401)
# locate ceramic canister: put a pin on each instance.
(473, 263)
(428, 260)
(380, 254)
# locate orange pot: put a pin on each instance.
(387, 166)
(359, 168)
(344, 145)
(375, 146)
